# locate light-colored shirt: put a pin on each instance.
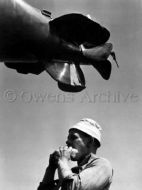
(95, 173)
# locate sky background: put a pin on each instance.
(35, 115)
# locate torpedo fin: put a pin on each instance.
(70, 88)
(104, 68)
(68, 74)
(77, 28)
(114, 58)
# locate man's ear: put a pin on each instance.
(90, 141)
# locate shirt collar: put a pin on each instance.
(87, 160)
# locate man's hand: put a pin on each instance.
(64, 153)
(50, 170)
(64, 169)
(53, 160)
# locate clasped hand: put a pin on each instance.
(63, 154)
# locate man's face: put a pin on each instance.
(78, 141)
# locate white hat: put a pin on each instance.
(89, 127)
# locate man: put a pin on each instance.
(92, 172)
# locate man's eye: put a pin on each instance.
(73, 137)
